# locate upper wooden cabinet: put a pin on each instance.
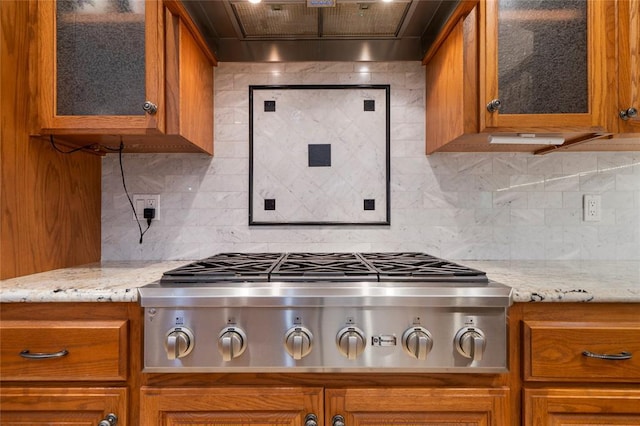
(546, 65)
(628, 66)
(519, 68)
(132, 71)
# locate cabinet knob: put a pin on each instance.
(311, 420)
(494, 105)
(110, 420)
(628, 113)
(337, 420)
(149, 107)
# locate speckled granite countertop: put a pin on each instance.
(532, 281)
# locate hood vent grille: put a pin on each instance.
(294, 20)
(289, 30)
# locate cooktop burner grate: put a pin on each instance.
(323, 266)
(419, 266)
(305, 267)
(226, 267)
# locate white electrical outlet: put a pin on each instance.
(592, 206)
(143, 201)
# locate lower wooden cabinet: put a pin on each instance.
(579, 363)
(579, 406)
(418, 406)
(352, 406)
(61, 406)
(229, 405)
(68, 363)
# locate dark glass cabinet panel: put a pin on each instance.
(542, 56)
(100, 57)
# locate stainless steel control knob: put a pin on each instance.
(298, 342)
(470, 343)
(232, 342)
(417, 342)
(351, 342)
(179, 342)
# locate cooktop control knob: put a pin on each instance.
(298, 342)
(179, 342)
(232, 342)
(470, 343)
(351, 342)
(417, 342)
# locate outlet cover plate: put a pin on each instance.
(592, 208)
(142, 201)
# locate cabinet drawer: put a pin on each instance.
(555, 351)
(63, 350)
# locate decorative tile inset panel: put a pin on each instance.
(320, 154)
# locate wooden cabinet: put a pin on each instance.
(134, 72)
(61, 405)
(546, 63)
(67, 363)
(229, 405)
(63, 350)
(354, 406)
(580, 364)
(418, 406)
(503, 69)
(628, 65)
(581, 351)
(544, 407)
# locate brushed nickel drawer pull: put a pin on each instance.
(40, 355)
(612, 357)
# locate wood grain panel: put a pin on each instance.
(629, 62)
(420, 406)
(578, 406)
(189, 88)
(229, 405)
(61, 406)
(553, 350)
(97, 350)
(452, 86)
(50, 202)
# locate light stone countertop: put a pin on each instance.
(532, 281)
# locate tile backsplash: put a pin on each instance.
(453, 205)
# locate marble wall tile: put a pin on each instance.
(459, 206)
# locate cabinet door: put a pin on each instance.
(418, 406)
(229, 405)
(544, 407)
(547, 64)
(629, 63)
(61, 406)
(100, 61)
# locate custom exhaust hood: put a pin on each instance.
(308, 30)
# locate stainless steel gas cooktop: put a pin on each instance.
(265, 312)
